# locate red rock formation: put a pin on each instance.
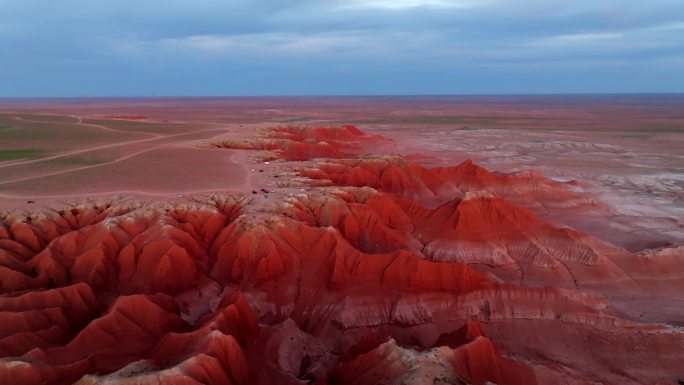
(488, 230)
(372, 223)
(397, 176)
(303, 143)
(394, 274)
(392, 175)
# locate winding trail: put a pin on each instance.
(14, 174)
(96, 148)
(155, 137)
(80, 122)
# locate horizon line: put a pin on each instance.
(676, 93)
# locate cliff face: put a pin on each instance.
(390, 273)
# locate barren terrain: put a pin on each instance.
(411, 240)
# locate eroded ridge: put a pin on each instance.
(304, 143)
(390, 273)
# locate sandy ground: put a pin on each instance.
(75, 160)
(625, 151)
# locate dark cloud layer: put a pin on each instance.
(276, 47)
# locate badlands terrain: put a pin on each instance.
(407, 240)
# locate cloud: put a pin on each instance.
(205, 43)
(669, 27)
(400, 4)
(581, 37)
(263, 43)
(577, 38)
(342, 43)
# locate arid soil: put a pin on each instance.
(342, 241)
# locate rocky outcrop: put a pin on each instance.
(393, 273)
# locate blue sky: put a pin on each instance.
(357, 47)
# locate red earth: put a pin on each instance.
(198, 245)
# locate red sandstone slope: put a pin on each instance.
(427, 276)
(302, 143)
(430, 186)
(490, 231)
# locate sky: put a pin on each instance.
(111, 48)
